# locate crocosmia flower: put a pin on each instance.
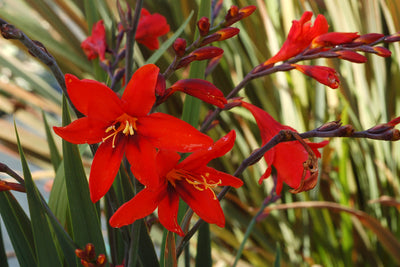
(95, 45)
(288, 157)
(124, 125)
(191, 179)
(150, 27)
(300, 37)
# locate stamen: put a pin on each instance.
(125, 124)
(200, 184)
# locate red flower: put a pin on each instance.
(95, 45)
(287, 157)
(125, 125)
(322, 74)
(150, 27)
(190, 179)
(300, 37)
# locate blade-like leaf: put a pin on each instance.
(84, 217)
(18, 228)
(45, 246)
(203, 255)
(54, 154)
(3, 256)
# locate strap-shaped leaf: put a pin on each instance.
(84, 217)
(42, 232)
(18, 228)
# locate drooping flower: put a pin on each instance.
(123, 125)
(288, 157)
(95, 45)
(150, 27)
(192, 180)
(322, 74)
(300, 37)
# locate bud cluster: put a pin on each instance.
(88, 256)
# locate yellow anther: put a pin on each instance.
(125, 124)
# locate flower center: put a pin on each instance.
(200, 182)
(125, 124)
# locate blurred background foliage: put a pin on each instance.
(361, 175)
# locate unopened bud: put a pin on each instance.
(101, 260)
(220, 35)
(204, 26)
(235, 14)
(160, 85)
(368, 38)
(392, 38)
(8, 31)
(179, 46)
(382, 51)
(345, 130)
(90, 251)
(351, 56)
(329, 126)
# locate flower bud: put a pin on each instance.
(220, 35)
(204, 26)
(368, 38)
(322, 74)
(351, 56)
(179, 46)
(329, 126)
(382, 51)
(392, 38)
(331, 39)
(235, 14)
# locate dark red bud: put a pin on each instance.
(160, 85)
(368, 38)
(392, 38)
(235, 14)
(10, 32)
(179, 46)
(204, 26)
(382, 51)
(329, 126)
(351, 56)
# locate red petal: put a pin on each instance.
(201, 157)
(167, 132)
(105, 167)
(201, 89)
(166, 160)
(202, 203)
(216, 176)
(168, 212)
(143, 204)
(268, 126)
(150, 27)
(83, 130)
(139, 95)
(141, 154)
(93, 99)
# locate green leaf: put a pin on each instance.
(54, 154)
(3, 256)
(45, 246)
(58, 200)
(147, 253)
(18, 228)
(157, 55)
(84, 217)
(277, 262)
(203, 255)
